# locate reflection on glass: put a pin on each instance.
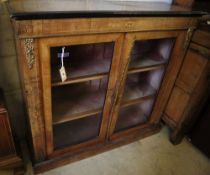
(77, 99)
(77, 106)
(142, 84)
(134, 115)
(77, 131)
(82, 60)
(151, 52)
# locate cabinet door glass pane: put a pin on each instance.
(142, 84)
(72, 101)
(134, 115)
(150, 52)
(148, 61)
(76, 131)
(82, 60)
(78, 101)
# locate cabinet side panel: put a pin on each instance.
(202, 38)
(176, 105)
(191, 71)
(170, 77)
(197, 99)
(30, 77)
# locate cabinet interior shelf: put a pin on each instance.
(95, 70)
(137, 101)
(77, 131)
(79, 79)
(83, 62)
(103, 75)
(78, 100)
(145, 62)
(63, 119)
(144, 69)
(135, 114)
(137, 91)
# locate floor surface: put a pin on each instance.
(154, 155)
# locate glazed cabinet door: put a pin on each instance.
(150, 63)
(78, 89)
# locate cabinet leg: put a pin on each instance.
(176, 138)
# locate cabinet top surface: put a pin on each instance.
(50, 9)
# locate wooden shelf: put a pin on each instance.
(63, 119)
(147, 53)
(96, 69)
(138, 91)
(145, 62)
(80, 79)
(85, 62)
(77, 131)
(130, 117)
(143, 84)
(144, 69)
(137, 101)
(78, 100)
(134, 114)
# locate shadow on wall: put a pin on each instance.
(9, 78)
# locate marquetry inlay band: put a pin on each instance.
(29, 48)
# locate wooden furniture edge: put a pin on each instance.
(196, 102)
(200, 50)
(28, 73)
(12, 161)
(201, 38)
(47, 27)
(169, 121)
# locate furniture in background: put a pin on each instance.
(203, 5)
(199, 134)
(98, 77)
(192, 86)
(9, 159)
(184, 3)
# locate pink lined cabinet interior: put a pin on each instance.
(78, 102)
(134, 115)
(142, 84)
(150, 52)
(76, 131)
(82, 60)
(147, 64)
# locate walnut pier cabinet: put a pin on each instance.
(120, 70)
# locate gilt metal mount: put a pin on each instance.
(29, 48)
